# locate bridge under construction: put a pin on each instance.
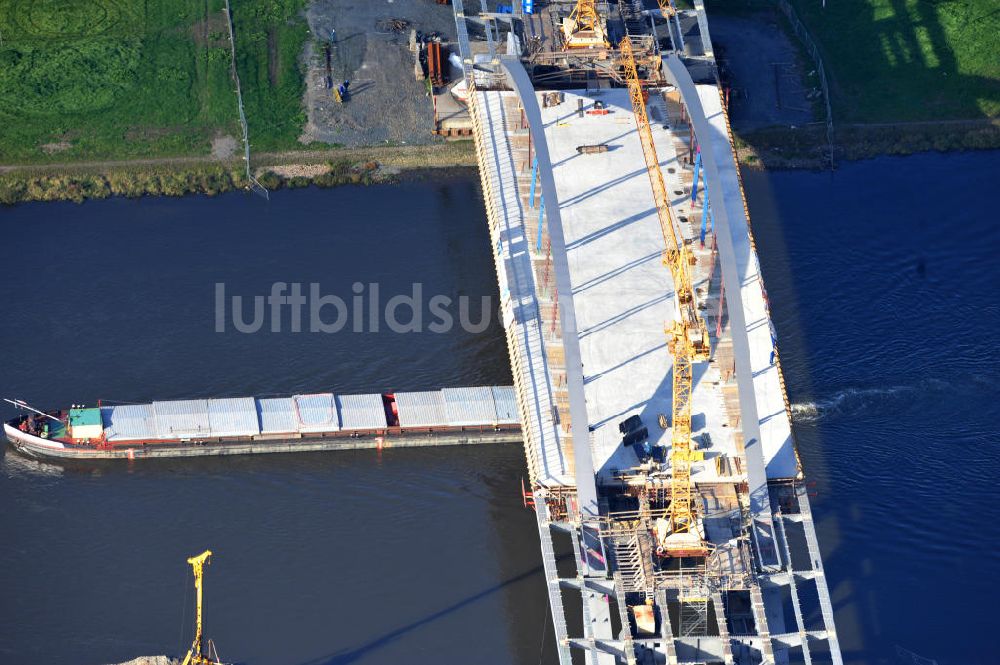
(648, 382)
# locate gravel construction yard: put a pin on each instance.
(387, 104)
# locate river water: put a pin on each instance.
(880, 279)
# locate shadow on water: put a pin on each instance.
(787, 304)
(348, 656)
(886, 346)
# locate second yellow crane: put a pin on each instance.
(584, 27)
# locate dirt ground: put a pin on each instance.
(224, 147)
(387, 104)
(771, 86)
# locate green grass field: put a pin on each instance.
(897, 60)
(900, 60)
(270, 36)
(111, 79)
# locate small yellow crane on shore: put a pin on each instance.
(197, 655)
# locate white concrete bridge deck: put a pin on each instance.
(622, 291)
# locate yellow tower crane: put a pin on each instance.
(196, 655)
(678, 534)
(667, 8)
(584, 27)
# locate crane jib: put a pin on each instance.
(687, 338)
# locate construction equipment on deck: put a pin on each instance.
(679, 532)
(584, 27)
(196, 655)
(594, 149)
(667, 8)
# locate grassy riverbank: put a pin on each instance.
(134, 97)
(119, 79)
(908, 60)
(905, 76)
(177, 177)
(270, 37)
(807, 147)
(107, 79)
(894, 61)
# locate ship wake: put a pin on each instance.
(849, 399)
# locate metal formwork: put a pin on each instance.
(277, 415)
(421, 409)
(522, 327)
(361, 411)
(469, 406)
(316, 413)
(182, 419)
(233, 416)
(129, 422)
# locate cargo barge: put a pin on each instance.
(252, 425)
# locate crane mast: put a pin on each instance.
(195, 655)
(667, 8)
(584, 27)
(687, 339)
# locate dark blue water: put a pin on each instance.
(883, 283)
(403, 556)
